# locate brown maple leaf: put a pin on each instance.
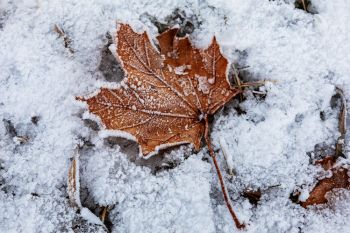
(339, 179)
(167, 94)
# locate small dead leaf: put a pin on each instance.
(253, 196)
(339, 179)
(327, 162)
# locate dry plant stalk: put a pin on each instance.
(104, 213)
(74, 192)
(73, 182)
(167, 95)
(341, 125)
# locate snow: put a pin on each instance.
(269, 147)
(180, 70)
(90, 217)
(203, 84)
(227, 154)
(304, 195)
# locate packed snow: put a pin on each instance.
(266, 142)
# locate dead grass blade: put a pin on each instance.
(73, 182)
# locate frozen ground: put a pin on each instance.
(271, 144)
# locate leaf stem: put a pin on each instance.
(218, 171)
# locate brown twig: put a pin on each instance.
(218, 171)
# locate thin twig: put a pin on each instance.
(237, 81)
(256, 84)
(341, 125)
(242, 68)
(222, 183)
(67, 41)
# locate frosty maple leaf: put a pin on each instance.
(167, 94)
